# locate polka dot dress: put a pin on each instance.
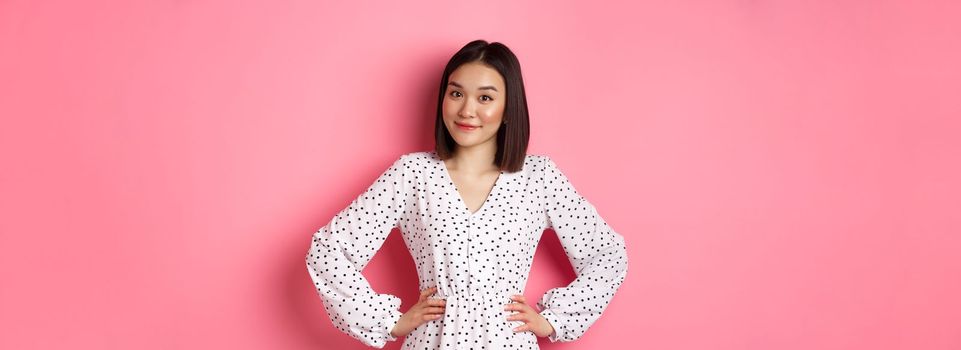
(477, 260)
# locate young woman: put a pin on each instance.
(471, 213)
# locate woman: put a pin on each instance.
(471, 212)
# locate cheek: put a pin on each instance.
(492, 115)
(447, 108)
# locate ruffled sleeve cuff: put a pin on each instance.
(393, 315)
(386, 321)
(555, 322)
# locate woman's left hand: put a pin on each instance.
(533, 321)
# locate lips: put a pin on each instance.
(466, 127)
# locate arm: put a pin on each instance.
(340, 250)
(597, 253)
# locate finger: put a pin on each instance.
(434, 310)
(517, 307)
(520, 298)
(517, 317)
(429, 317)
(426, 292)
(522, 328)
(436, 302)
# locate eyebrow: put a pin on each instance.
(480, 88)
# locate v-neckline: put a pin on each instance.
(456, 193)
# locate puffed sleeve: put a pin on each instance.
(597, 253)
(341, 249)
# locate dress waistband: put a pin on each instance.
(484, 294)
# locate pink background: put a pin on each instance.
(786, 175)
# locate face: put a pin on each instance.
(474, 104)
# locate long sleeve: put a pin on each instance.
(597, 253)
(341, 249)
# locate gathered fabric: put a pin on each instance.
(477, 260)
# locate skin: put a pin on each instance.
(425, 310)
(475, 95)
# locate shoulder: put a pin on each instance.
(539, 163)
(416, 159)
(536, 159)
(417, 155)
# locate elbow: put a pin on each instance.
(622, 259)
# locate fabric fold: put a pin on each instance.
(343, 247)
(597, 253)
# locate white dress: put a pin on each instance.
(476, 260)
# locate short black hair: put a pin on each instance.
(512, 137)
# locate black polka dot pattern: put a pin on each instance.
(477, 260)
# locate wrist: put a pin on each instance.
(395, 331)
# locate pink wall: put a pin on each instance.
(786, 175)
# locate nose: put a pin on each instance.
(466, 109)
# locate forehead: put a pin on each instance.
(473, 75)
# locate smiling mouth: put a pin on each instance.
(466, 127)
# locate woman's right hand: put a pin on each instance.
(426, 309)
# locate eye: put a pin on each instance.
(490, 98)
(455, 93)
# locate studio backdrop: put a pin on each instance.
(785, 173)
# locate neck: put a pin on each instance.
(475, 159)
